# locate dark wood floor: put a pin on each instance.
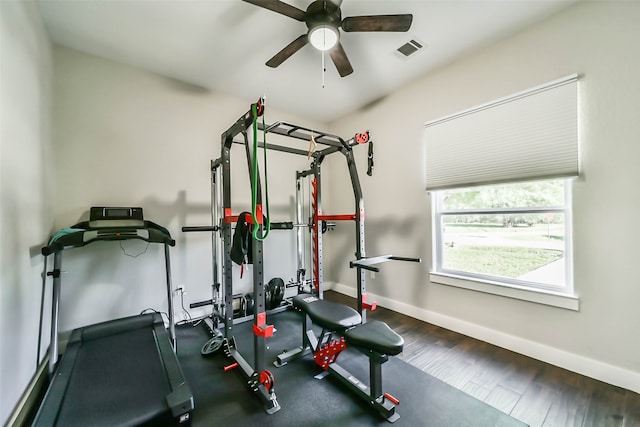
(534, 392)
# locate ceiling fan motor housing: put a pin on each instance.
(322, 12)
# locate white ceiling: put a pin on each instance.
(223, 44)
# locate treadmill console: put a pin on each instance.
(100, 217)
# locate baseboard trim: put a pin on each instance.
(592, 368)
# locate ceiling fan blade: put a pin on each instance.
(396, 23)
(280, 7)
(289, 50)
(339, 58)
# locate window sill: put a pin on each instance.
(555, 299)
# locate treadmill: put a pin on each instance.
(122, 372)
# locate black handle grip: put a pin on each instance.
(281, 226)
(200, 303)
(200, 228)
(402, 258)
(49, 249)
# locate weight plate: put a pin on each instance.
(212, 345)
(277, 287)
(248, 305)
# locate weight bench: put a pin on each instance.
(374, 338)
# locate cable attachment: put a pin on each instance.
(259, 106)
(363, 138)
(370, 159)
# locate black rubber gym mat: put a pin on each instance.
(223, 399)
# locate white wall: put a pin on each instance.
(127, 137)
(596, 39)
(26, 191)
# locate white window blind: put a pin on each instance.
(529, 135)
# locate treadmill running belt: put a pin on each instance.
(116, 381)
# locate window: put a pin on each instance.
(512, 234)
(498, 175)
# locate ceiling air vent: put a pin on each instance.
(410, 47)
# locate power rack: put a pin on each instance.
(260, 380)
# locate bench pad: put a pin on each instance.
(327, 314)
(376, 336)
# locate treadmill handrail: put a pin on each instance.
(82, 234)
(75, 236)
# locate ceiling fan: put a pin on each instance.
(323, 19)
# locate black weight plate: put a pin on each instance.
(212, 345)
(249, 304)
(277, 287)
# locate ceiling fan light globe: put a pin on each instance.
(323, 37)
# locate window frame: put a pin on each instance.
(531, 291)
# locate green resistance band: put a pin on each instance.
(254, 184)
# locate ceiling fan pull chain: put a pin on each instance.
(324, 69)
